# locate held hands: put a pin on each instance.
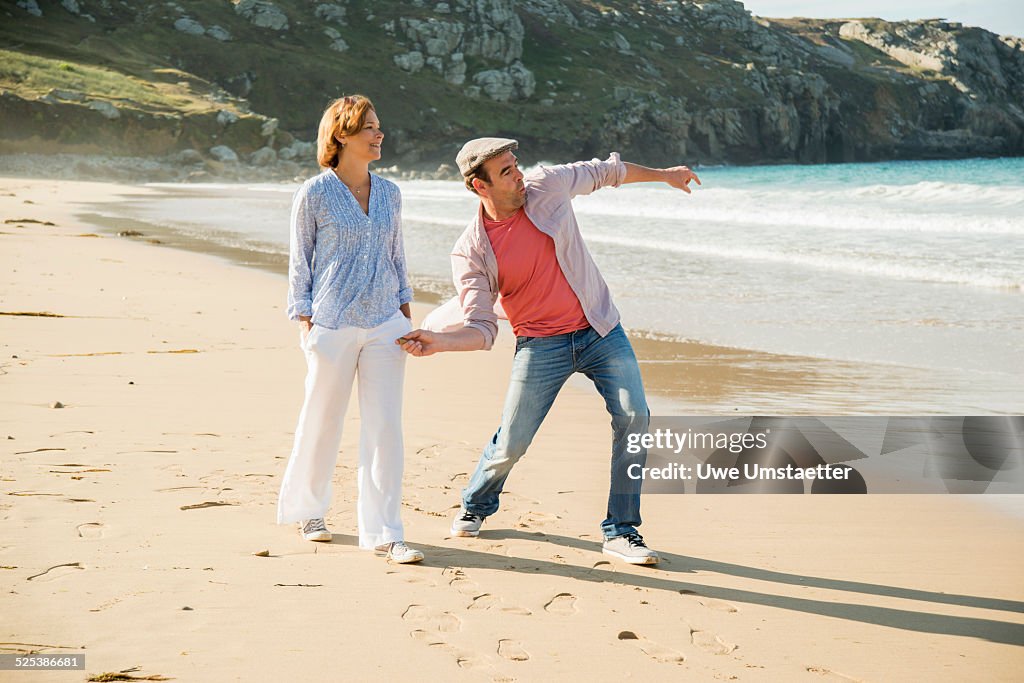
(420, 343)
(680, 177)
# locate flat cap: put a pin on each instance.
(476, 152)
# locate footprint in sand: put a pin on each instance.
(106, 605)
(659, 653)
(91, 530)
(487, 601)
(444, 622)
(720, 605)
(464, 660)
(498, 548)
(563, 603)
(511, 495)
(711, 643)
(512, 650)
(831, 675)
(417, 579)
(535, 519)
(458, 580)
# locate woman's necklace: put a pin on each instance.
(355, 190)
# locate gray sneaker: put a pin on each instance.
(630, 548)
(399, 553)
(315, 530)
(467, 524)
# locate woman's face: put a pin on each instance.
(366, 143)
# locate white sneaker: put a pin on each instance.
(630, 548)
(467, 524)
(399, 553)
(315, 530)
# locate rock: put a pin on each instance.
(442, 8)
(262, 13)
(523, 79)
(105, 108)
(494, 31)
(621, 44)
(339, 45)
(31, 6)
(553, 11)
(410, 61)
(436, 64)
(241, 84)
(71, 6)
(456, 71)
(434, 37)
(446, 172)
(224, 154)
(547, 102)
(727, 15)
(67, 95)
(219, 33)
(976, 62)
(299, 150)
(226, 118)
(473, 92)
(189, 26)
(437, 47)
(832, 54)
(56, 404)
(498, 85)
(264, 156)
(187, 157)
(214, 167)
(332, 12)
(501, 84)
(268, 128)
(262, 553)
(332, 33)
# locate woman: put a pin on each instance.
(349, 290)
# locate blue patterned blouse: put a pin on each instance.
(346, 268)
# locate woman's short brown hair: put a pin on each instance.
(344, 116)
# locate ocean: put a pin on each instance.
(916, 264)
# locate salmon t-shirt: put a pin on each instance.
(534, 292)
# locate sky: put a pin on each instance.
(999, 16)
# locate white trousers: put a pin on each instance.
(334, 358)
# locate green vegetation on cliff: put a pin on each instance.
(668, 80)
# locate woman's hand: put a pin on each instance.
(305, 325)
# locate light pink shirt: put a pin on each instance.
(549, 193)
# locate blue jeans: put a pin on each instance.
(540, 368)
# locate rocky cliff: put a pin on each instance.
(665, 81)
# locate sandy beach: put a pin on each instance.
(133, 515)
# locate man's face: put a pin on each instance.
(506, 188)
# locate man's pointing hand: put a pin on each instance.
(680, 177)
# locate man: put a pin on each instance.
(525, 245)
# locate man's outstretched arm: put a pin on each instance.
(426, 343)
(677, 176)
